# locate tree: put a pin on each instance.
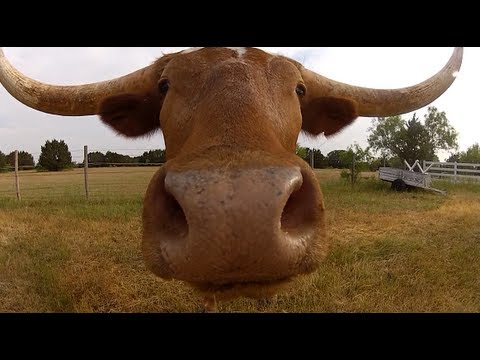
(336, 159)
(455, 157)
(113, 157)
(472, 155)
(389, 161)
(363, 157)
(55, 156)
(3, 162)
(301, 151)
(153, 156)
(96, 158)
(444, 136)
(356, 160)
(24, 159)
(411, 140)
(319, 160)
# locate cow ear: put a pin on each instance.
(327, 115)
(132, 115)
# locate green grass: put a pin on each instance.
(392, 252)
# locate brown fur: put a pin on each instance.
(225, 117)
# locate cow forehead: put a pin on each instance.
(240, 51)
(215, 55)
(214, 58)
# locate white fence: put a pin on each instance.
(452, 170)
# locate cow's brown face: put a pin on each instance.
(233, 209)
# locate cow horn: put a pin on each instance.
(72, 100)
(384, 102)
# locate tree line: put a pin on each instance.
(25, 160)
(55, 156)
(391, 141)
(149, 157)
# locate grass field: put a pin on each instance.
(392, 252)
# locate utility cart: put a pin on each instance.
(402, 179)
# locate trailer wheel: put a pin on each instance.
(399, 185)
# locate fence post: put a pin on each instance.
(17, 182)
(312, 163)
(455, 172)
(85, 168)
(353, 169)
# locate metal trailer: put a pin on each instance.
(402, 179)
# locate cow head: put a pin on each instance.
(233, 211)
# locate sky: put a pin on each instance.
(26, 129)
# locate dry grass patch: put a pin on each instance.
(391, 252)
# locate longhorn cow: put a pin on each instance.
(233, 212)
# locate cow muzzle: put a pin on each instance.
(233, 226)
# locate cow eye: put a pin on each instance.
(301, 90)
(163, 86)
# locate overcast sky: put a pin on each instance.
(26, 129)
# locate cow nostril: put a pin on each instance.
(176, 219)
(300, 209)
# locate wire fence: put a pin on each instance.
(85, 180)
(98, 180)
